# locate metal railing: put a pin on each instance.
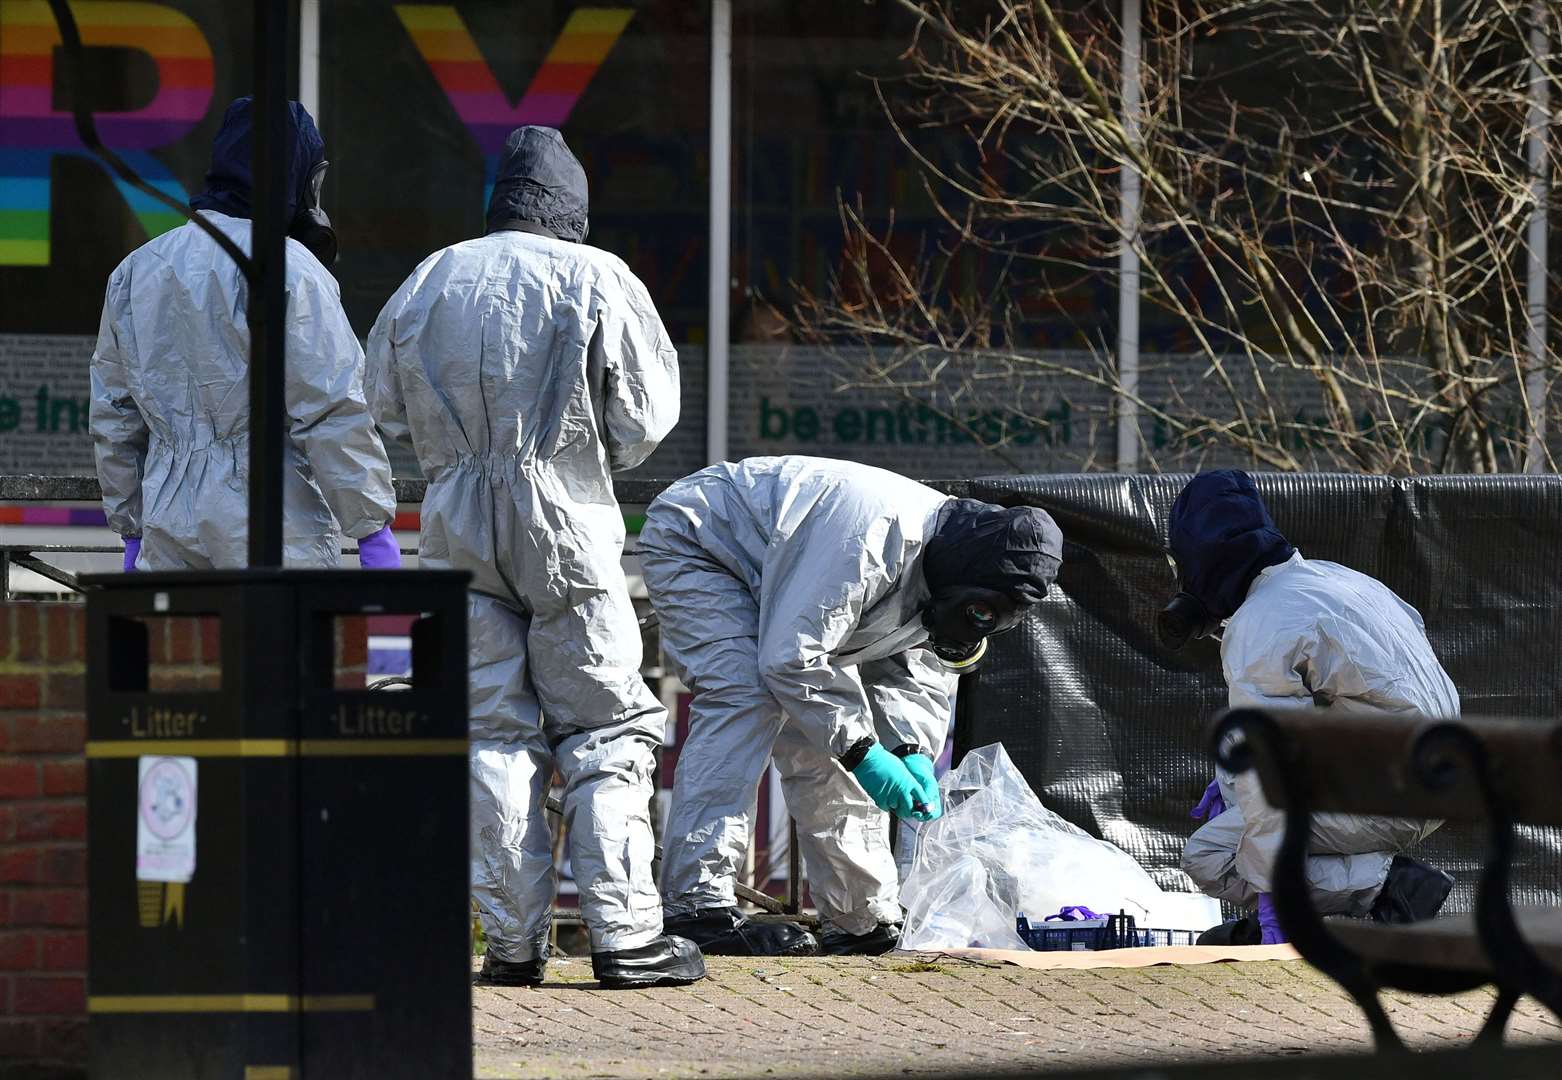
(631, 491)
(34, 488)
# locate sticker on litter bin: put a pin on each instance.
(165, 820)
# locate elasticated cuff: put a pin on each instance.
(857, 751)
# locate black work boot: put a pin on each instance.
(1413, 891)
(667, 961)
(876, 942)
(1244, 931)
(725, 932)
(512, 972)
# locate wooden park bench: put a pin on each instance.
(1502, 772)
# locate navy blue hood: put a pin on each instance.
(228, 187)
(1014, 550)
(539, 182)
(1221, 535)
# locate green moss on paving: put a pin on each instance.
(919, 965)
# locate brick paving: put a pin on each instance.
(859, 1017)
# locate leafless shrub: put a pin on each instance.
(1335, 203)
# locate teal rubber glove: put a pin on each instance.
(920, 766)
(887, 781)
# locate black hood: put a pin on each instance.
(1014, 550)
(228, 183)
(539, 183)
(1221, 535)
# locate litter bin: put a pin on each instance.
(277, 865)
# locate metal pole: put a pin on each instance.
(267, 298)
(965, 718)
(309, 58)
(716, 359)
(794, 869)
(1535, 343)
(1128, 257)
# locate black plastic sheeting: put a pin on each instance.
(1109, 727)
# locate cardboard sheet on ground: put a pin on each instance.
(1128, 958)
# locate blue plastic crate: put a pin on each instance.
(1088, 935)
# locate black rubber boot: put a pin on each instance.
(513, 973)
(667, 961)
(1244, 931)
(1412, 892)
(725, 932)
(876, 942)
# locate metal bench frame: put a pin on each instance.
(1449, 761)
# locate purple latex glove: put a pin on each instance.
(132, 551)
(379, 551)
(1269, 921)
(1073, 913)
(1211, 806)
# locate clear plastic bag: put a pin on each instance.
(998, 852)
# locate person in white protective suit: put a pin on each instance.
(170, 385)
(524, 368)
(1298, 633)
(810, 605)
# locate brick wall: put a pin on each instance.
(43, 826)
(43, 811)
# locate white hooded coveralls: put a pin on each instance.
(1313, 633)
(170, 408)
(524, 371)
(790, 593)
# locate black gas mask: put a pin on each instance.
(960, 620)
(310, 226)
(1184, 618)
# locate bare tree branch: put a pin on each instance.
(1335, 198)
